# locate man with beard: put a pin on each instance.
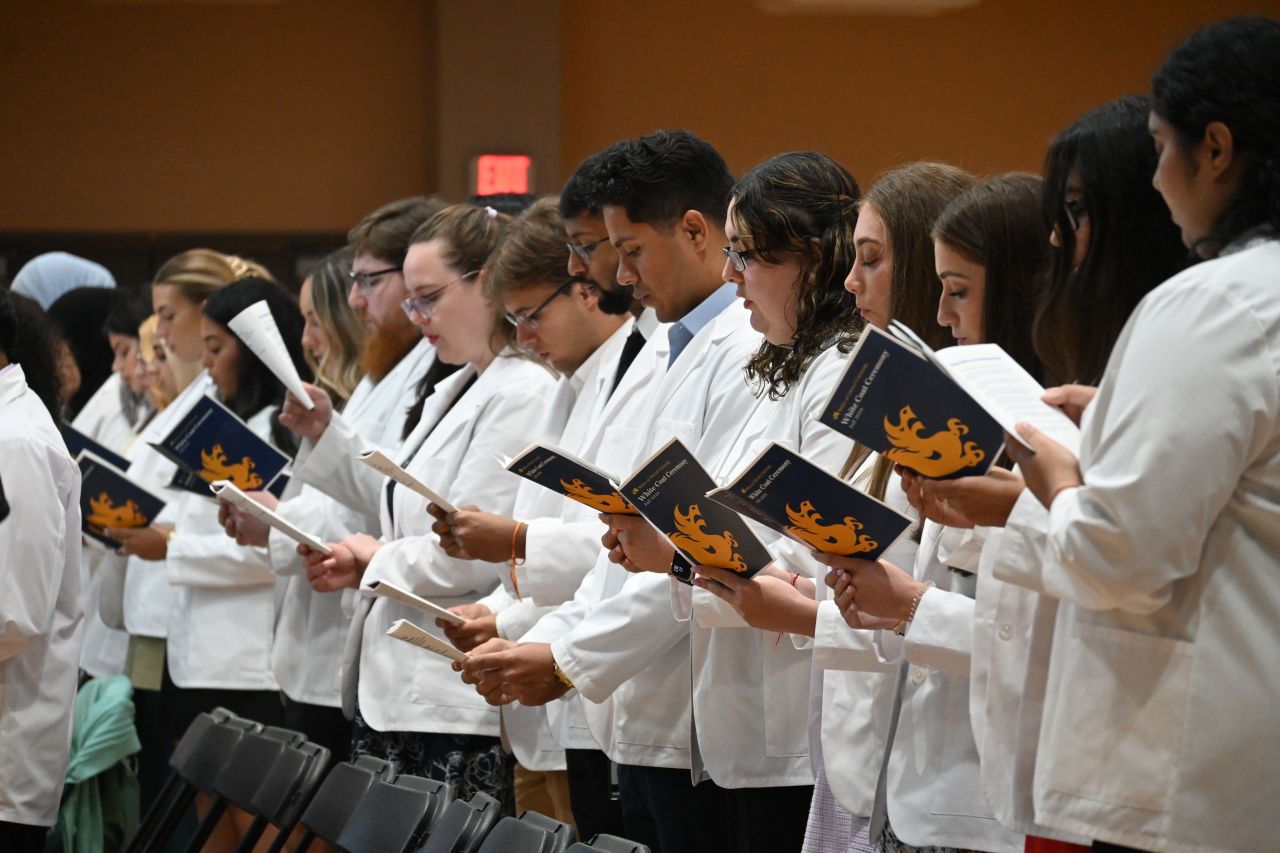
(330, 493)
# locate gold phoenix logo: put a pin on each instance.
(106, 514)
(216, 468)
(937, 455)
(706, 549)
(844, 538)
(612, 502)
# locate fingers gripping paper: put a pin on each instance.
(257, 329)
(226, 490)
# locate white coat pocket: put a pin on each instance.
(1148, 679)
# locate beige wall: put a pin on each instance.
(164, 116)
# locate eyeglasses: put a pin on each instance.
(425, 306)
(585, 252)
(530, 320)
(366, 281)
(739, 258)
(1077, 212)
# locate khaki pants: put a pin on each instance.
(545, 792)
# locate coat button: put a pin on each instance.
(1006, 631)
(917, 676)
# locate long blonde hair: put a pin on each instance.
(339, 371)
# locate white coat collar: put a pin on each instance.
(12, 383)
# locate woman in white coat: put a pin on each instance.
(41, 583)
(310, 626)
(988, 244)
(409, 706)
(1162, 538)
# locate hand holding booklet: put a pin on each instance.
(943, 414)
(378, 461)
(257, 329)
(210, 443)
(566, 474)
(109, 499)
(385, 589)
(226, 491)
(670, 491)
(403, 629)
(790, 494)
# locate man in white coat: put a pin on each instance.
(583, 328)
(663, 198)
(311, 627)
(41, 586)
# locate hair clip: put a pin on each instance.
(493, 214)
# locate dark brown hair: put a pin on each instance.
(387, 232)
(533, 253)
(802, 205)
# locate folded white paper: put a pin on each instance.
(258, 330)
(404, 596)
(378, 461)
(226, 490)
(405, 630)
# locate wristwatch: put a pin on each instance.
(559, 673)
(682, 569)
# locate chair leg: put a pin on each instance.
(250, 838)
(169, 823)
(206, 827)
(155, 814)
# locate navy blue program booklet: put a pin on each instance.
(210, 443)
(108, 498)
(77, 441)
(670, 491)
(901, 402)
(566, 474)
(786, 492)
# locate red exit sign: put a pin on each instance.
(502, 173)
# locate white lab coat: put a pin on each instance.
(934, 795)
(41, 605)
(330, 464)
(311, 628)
(400, 687)
(147, 592)
(562, 539)
(223, 606)
(1012, 638)
(750, 689)
(851, 703)
(619, 639)
(611, 443)
(1160, 727)
(105, 645)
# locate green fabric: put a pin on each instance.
(100, 808)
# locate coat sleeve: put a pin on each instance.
(559, 555)
(330, 465)
(31, 542)
(202, 554)
(1164, 446)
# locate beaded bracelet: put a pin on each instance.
(901, 628)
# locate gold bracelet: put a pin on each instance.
(564, 679)
(515, 534)
(901, 628)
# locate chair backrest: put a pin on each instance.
(561, 832)
(250, 762)
(463, 826)
(609, 844)
(290, 783)
(393, 816)
(513, 835)
(340, 794)
(200, 766)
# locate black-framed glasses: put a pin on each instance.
(739, 257)
(529, 320)
(367, 281)
(585, 251)
(1077, 212)
(425, 306)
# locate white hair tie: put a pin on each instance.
(493, 214)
